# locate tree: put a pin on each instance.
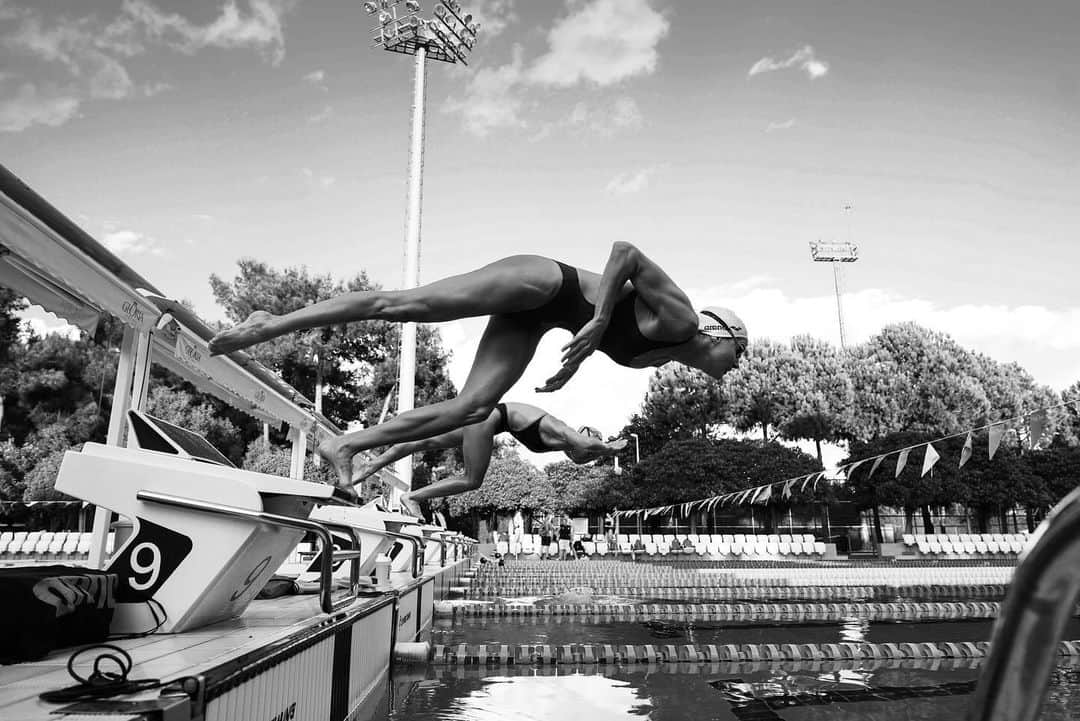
(578, 488)
(759, 389)
(698, 468)
(1070, 426)
(41, 480)
(681, 403)
(822, 394)
(511, 483)
(277, 461)
(186, 410)
(351, 366)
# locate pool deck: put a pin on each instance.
(281, 657)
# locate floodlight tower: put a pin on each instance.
(449, 37)
(835, 253)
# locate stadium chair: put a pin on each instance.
(761, 548)
(796, 548)
(701, 548)
(946, 545)
(739, 538)
(692, 537)
(981, 547)
(736, 549)
(1018, 543)
(772, 538)
(625, 547)
(42, 545)
(634, 538)
(784, 547)
(590, 547)
(727, 538)
(993, 547)
(808, 538)
(908, 539)
(969, 547)
(83, 549)
(932, 542)
(5, 540)
(771, 548)
(528, 547)
(650, 548)
(56, 545)
(819, 548)
(622, 538)
(515, 548)
(601, 548)
(502, 548)
(785, 538)
(723, 549)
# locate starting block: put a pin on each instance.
(375, 539)
(206, 537)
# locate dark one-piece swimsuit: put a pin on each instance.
(622, 341)
(529, 436)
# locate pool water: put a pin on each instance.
(893, 694)
(560, 630)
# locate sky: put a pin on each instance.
(721, 138)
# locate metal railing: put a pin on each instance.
(319, 528)
(1041, 599)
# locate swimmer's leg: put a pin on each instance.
(477, 442)
(505, 350)
(520, 282)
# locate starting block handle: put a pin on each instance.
(326, 581)
(418, 549)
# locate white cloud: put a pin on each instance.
(130, 242)
(603, 42)
(492, 98)
(93, 54)
(621, 115)
(259, 26)
(773, 127)
(494, 16)
(317, 78)
(803, 58)
(29, 106)
(630, 182)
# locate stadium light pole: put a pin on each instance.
(835, 253)
(448, 36)
(637, 448)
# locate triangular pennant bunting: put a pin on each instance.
(873, 468)
(817, 478)
(965, 452)
(1036, 427)
(766, 494)
(901, 461)
(786, 493)
(931, 457)
(996, 432)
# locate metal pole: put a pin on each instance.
(839, 307)
(407, 373)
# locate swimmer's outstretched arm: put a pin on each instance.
(584, 447)
(655, 288)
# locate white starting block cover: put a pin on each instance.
(201, 567)
(369, 528)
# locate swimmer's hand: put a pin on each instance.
(558, 380)
(584, 342)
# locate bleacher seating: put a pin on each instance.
(965, 544)
(47, 546)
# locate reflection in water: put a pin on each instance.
(524, 697)
(900, 691)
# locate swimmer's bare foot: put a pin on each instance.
(255, 329)
(334, 453)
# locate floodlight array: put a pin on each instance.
(448, 36)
